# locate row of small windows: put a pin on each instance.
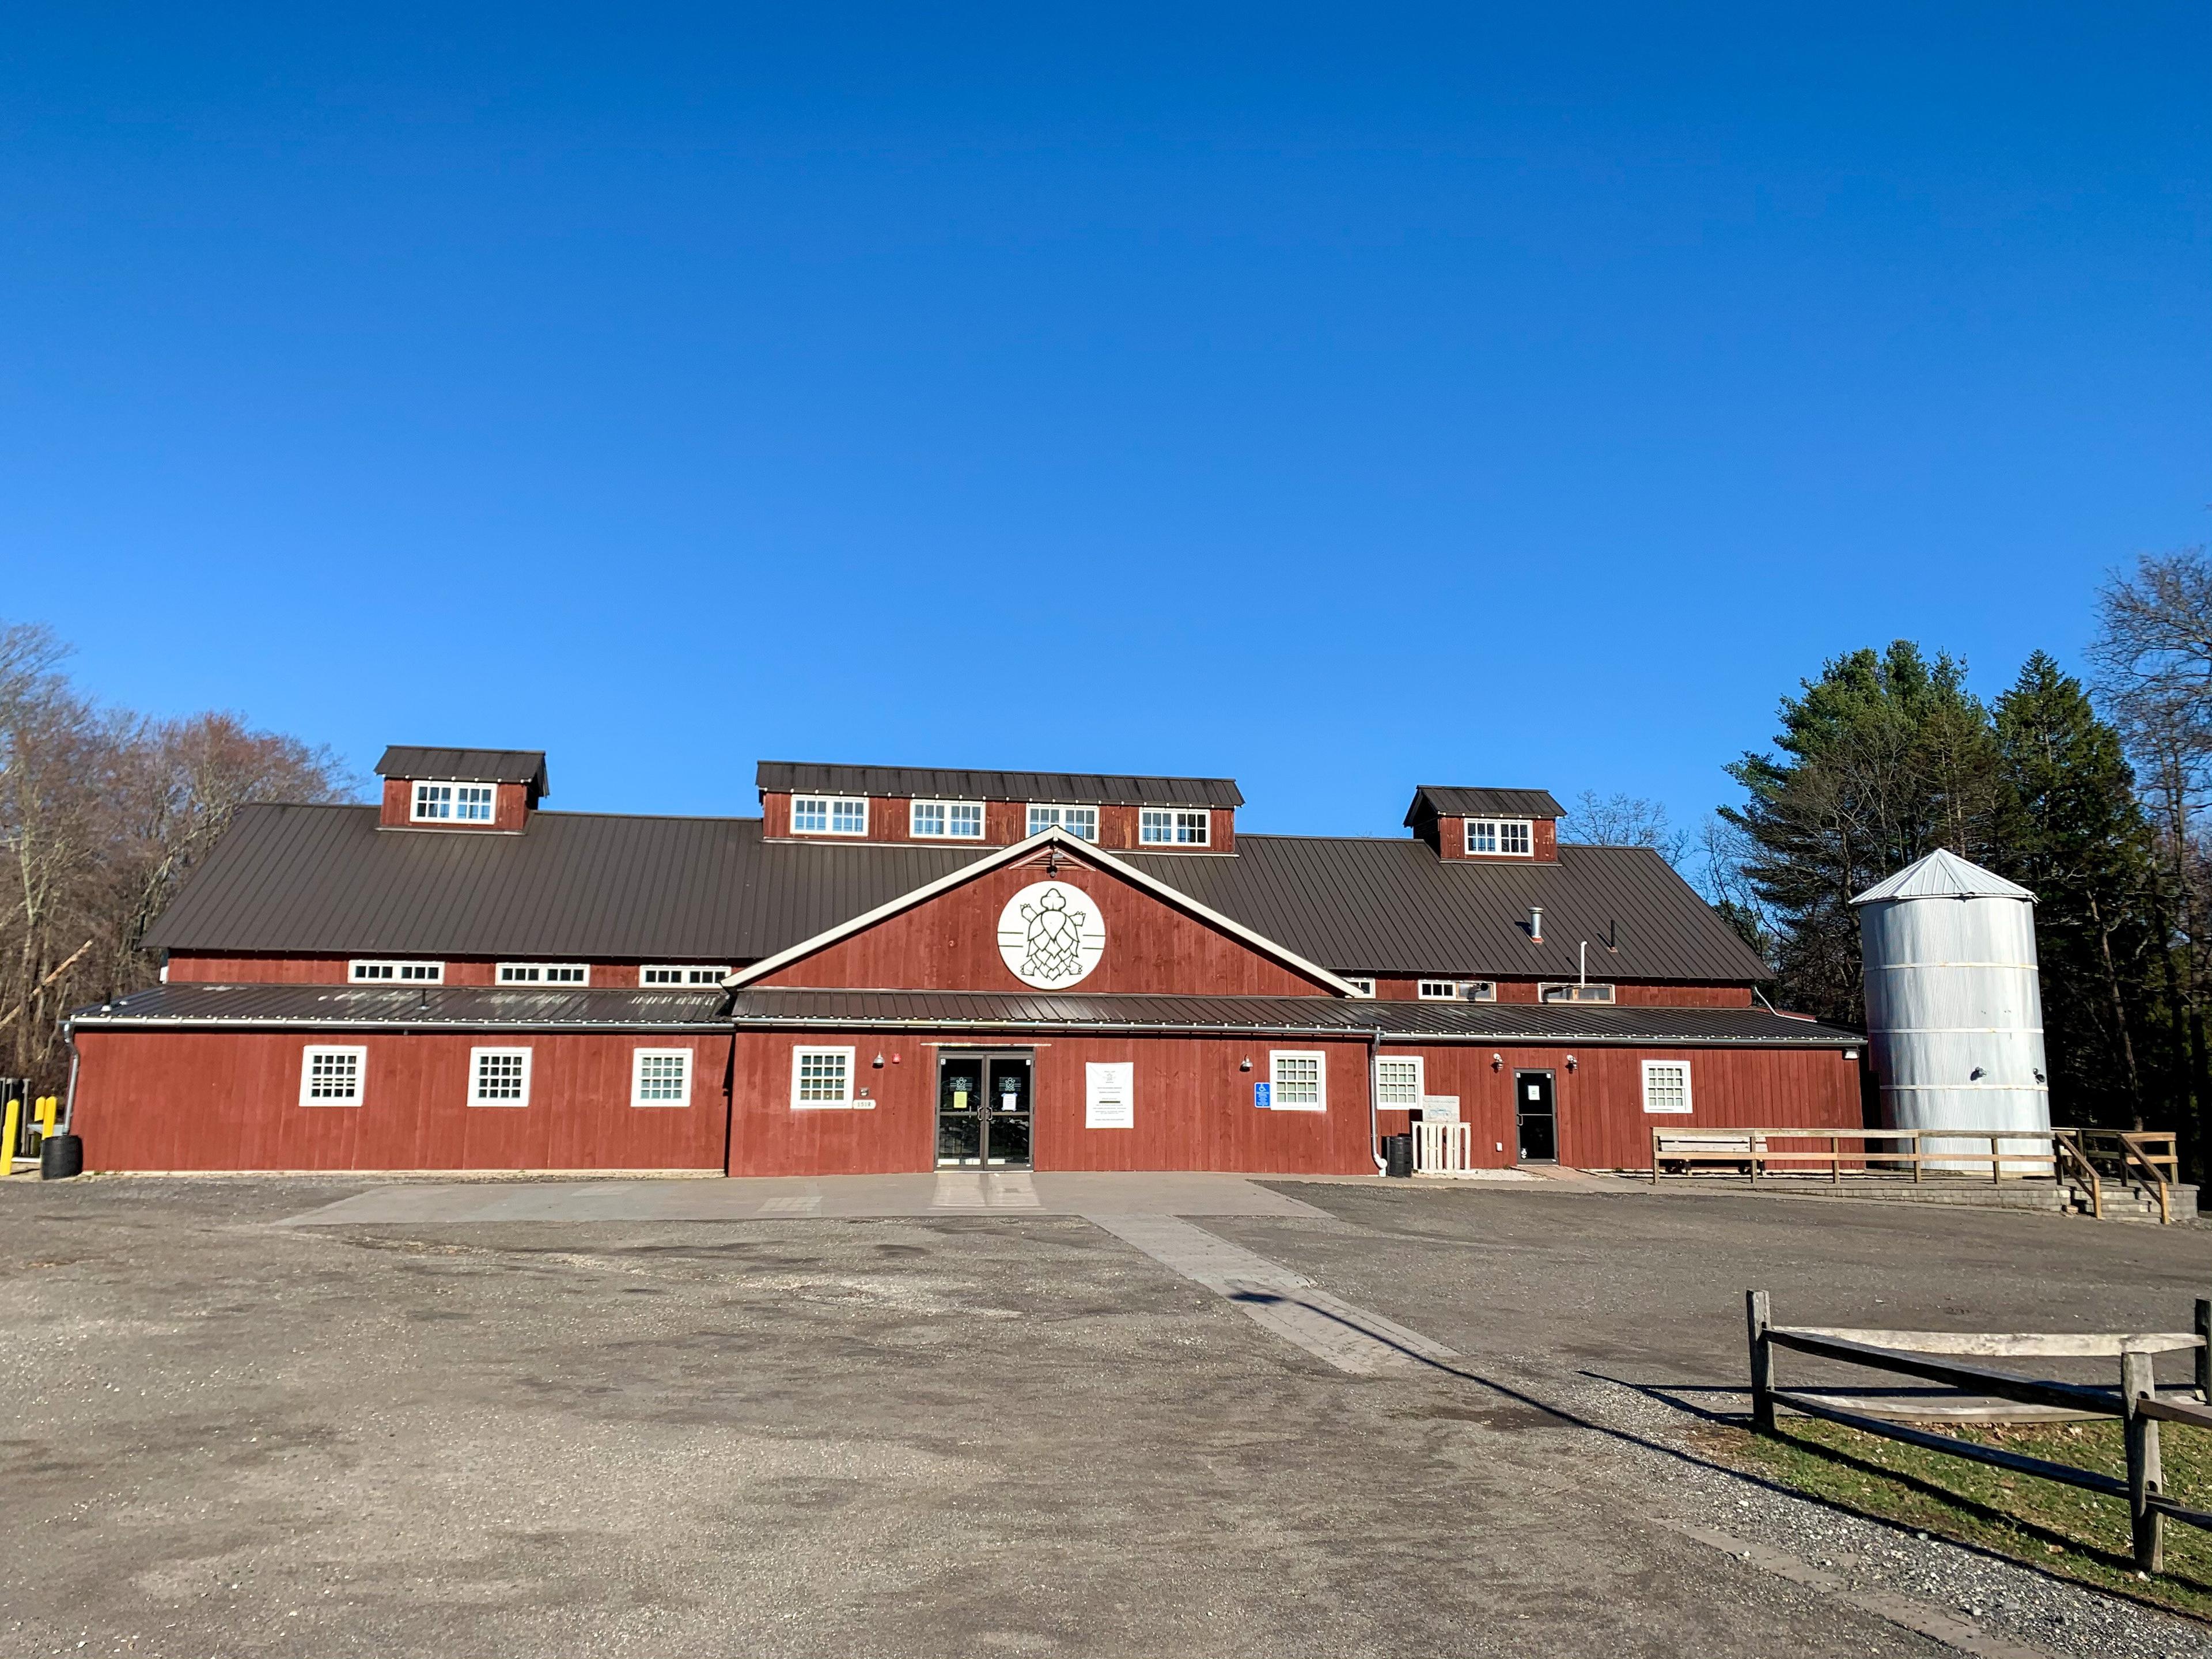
(962, 820)
(1400, 1081)
(531, 973)
(1504, 838)
(338, 1075)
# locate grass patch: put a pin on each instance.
(2062, 1529)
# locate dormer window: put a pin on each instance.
(946, 820)
(1081, 821)
(1157, 827)
(454, 802)
(1500, 838)
(829, 815)
(1577, 993)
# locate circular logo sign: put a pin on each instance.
(1051, 935)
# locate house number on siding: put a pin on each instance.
(1051, 935)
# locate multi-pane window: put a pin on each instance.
(1437, 990)
(1360, 982)
(955, 820)
(1574, 994)
(1481, 990)
(808, 812)
(374, 973)
(1665, 1086)
(1297, 1081)
(822, 1076)
(468, 802)
(694, 974)
(848, 818)
(499, 1076)
(1081, 821)
(545, 973)
(660, 1077)
(829, 815)
(1508, 837)
(1159, 827)
(1398, 1081)
(331, 1077)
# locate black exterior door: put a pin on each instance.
(1539, 1124)
(983, 1110)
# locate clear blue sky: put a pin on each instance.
(1338, 398)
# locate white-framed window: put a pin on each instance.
(1500, 837)
(660, 1077)
(392, 973)
(454, 802)
(1551, 993)
(1360, 982)
(1665, 1086)
(1172, 827)
(1400, 1080)
(545, 973)
(499, 1076)
(332, 1076)
(657, 974)
(1436, 990)
(822, 1078)
(1081, 821)
(1480, 990)
(1298, 1080)
(945, 820)
(829, 815)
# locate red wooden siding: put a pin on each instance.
(229, 1100)
(951, 943)
(1406, 987)
(187, 967)
(510, 808)
(1602, 1124)
(1192, 1107)
(1449, 837)
(1005, 822)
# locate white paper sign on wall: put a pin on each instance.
(1439, 1108)
(1108, 1095)
(1051, 935)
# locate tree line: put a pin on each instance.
(2091, 795)
(103, 813)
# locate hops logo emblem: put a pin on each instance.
(1050, 935)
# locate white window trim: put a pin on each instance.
(1498, 828)
(1687, 1104)
(914, 820)
(1362, 983)
(684, 970)
(830, 805)
(1426, 990)
(637, 1059)
(1548, 985)
(1063, 808)
(435, 977)
(360, 1073)
(476, 1056)
(1275, 1057)
(1480, 990)
(415, 786)
(500, 970)
(853, 1101)
(1420, 1081)
(1175, 827)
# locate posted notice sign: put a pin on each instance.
(1439, 1108)
(1108, 1095)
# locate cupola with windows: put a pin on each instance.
(1489, 826)
(493, 790)
(940, 806)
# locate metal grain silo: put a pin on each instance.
(1954, 1012)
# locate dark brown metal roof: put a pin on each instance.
(1437, 1022)
(932, 783)
(345, 1007)
(1450, 802)
(323, 880)
(467, 765)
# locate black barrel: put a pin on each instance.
(61, 1157)
(1398, 1156)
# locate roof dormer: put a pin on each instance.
(1487, 826)
(940, 806)
(467, 789)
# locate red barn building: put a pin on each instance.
(892, 968)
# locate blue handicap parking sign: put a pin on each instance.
(1262, 1094)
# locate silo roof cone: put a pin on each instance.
(1943, 874)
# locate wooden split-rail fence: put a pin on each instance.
(1989, 1396)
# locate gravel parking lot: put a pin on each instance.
(999, 1433)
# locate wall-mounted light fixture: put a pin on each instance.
(1245, 1065)
(880, 1062)
(1497, 1060)
(1570, 1062)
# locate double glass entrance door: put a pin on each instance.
(983, 1110)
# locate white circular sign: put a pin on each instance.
(1051, 935)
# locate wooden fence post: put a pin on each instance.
(1762, 1362)
(2146, 1477)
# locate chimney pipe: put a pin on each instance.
(1536, 924)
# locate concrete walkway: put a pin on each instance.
(947, 1192)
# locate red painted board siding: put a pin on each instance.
(229, 1100)
(1404, 988)
(1193, 1109)
(951, 943)
(890, 819)
(510, 810)
(187, 967)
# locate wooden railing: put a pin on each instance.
(2071, 1155)
(2136, 1402)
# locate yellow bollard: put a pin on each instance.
(14, 1116)
(47, 1108)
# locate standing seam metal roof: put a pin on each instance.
(1454, 802)
(936, 783)
(466, 765)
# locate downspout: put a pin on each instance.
(69, 1103)
(1374, 1118)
